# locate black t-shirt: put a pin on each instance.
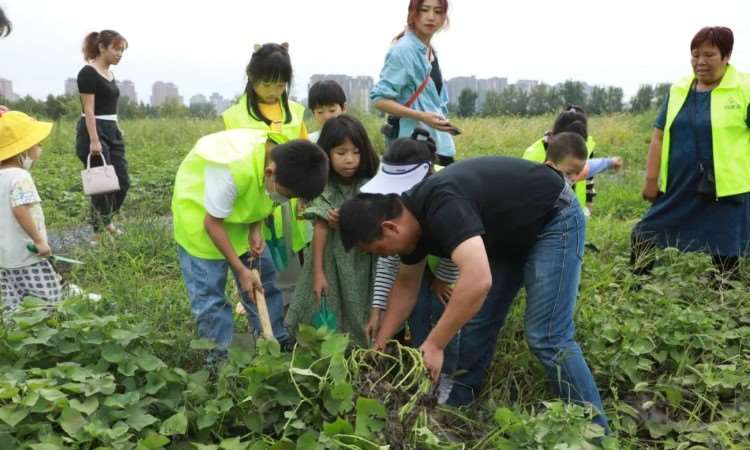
(505, 200)
(106, 93)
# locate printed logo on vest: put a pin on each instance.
(732, 104)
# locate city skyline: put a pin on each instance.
(596, 42)
(356, 88)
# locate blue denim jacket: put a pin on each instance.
(406, 66)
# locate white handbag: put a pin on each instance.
(99, 180)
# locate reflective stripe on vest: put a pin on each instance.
(237, 117)
(730, 134)
(243, 153)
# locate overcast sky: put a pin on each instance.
(204, 46)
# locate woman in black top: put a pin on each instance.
(98, 135)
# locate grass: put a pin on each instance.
(671, 354)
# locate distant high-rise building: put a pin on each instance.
(127, 89)
(71, 87)
(359, 93)
(220, 103)
(526, 85)
(356, 89)
(6, 90)
(458, 84)
(198, 99)
(161, 92)
(494, 84)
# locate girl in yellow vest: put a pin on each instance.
(344, 278)
(265, 106)
(698, 167)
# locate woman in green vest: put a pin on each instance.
(265, 106)
(698, 168)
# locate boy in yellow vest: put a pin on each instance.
(224, 189)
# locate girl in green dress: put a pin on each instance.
(344, 278)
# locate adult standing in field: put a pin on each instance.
(698, 168)
(98, 135)
(505, 222)
(411, 89)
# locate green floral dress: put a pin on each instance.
(350, 275)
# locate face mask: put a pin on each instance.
(26, 162)
(276, 197)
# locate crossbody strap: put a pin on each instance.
(422, 86)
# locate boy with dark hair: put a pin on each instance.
(225, 187)
(325, 99)
(567, 153)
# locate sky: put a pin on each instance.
(204, 46)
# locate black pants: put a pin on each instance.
(104, 206)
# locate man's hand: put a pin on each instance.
(433, 359)
(442, 290)
(250, 282)
(373, 325)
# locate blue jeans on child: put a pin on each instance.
(551, 274)
(206, 281)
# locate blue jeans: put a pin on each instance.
(206, 281)
(551, 273)
(423, 318)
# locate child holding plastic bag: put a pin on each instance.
(341, 279)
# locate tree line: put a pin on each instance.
(511, 101)
(543, 99)
(58, 107)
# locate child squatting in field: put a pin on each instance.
(23, 273)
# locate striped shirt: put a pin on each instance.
(386, 270)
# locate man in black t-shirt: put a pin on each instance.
(505, 222)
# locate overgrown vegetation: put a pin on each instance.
(670, 352)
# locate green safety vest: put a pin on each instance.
(729, 131)
(243, 152)
(236, 116)
(537, 153)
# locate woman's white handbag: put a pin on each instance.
(99, 180)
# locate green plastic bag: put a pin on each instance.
(324, 317)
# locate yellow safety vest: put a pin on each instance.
(236, 116)
(537, 153)
(243, 151)
(729, 131)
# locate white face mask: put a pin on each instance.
(26, 162)
(275, 196)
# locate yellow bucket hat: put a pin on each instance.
(19, 132)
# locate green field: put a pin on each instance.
(670, 352)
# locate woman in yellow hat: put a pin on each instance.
(23, 273)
